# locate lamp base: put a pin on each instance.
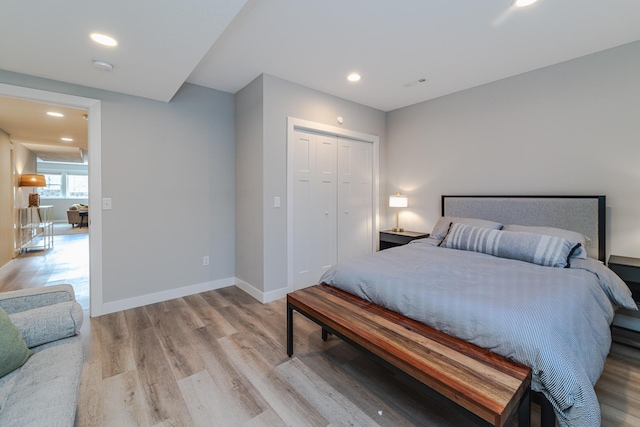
(397, 230)
(34, 200)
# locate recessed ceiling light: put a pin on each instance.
(354, 77)
(102, 65)
(524, 3)
(103, 39)
(65, 139)
(54, 114)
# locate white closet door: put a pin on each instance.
(314, 207)
(355, 198)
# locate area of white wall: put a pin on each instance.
(571, 128)
(169, 170)
(284, 99)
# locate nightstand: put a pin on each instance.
(390, 239)
(629, 270)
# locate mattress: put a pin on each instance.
(554, 320)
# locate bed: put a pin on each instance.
(477, 278)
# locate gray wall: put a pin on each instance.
(169, 168)
(571, 128)
(284, 99)
(249, 191)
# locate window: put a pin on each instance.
(77, 186)
(54, 186)
(65, 185)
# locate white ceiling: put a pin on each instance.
(225, 44)
(27, 123)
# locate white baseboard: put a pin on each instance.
(142, 300)
(259, 295)
(125, 304)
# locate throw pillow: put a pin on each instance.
(534, 248)
(13, 350)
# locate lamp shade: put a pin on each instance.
(398, 201)
(32, 180)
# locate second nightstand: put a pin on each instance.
(629, 270)
(390, 239)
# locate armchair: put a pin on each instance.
(44, 390)
(75, 215)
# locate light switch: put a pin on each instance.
(276, 202)
(106, 204)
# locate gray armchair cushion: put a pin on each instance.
(44, 391)
(50, 323)
(27, 299)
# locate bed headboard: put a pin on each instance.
(583, 214)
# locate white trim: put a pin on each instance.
(294, 124)
(95, 174)
(259, 295)
(142, 300)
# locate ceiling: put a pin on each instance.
(27, 123)
(407, 51)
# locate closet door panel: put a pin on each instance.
(355, 199)
(303, 155)
(314, 206)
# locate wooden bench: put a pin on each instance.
(490, 388)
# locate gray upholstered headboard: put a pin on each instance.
(583, 214)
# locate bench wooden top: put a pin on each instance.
(486, 384)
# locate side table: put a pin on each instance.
(627, 321)
(390, 239)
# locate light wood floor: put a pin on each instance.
(219, 358)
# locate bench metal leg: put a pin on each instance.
(547, 416)
(325, 334)
(289, 329)
(524, 410)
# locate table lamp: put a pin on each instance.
(33, 180)
(398, 201)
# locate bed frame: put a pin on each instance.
(583, 214)
(455, 371)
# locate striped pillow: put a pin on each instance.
(535, 248)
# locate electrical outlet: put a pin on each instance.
(205, 260)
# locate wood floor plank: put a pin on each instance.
(90, 411)
(209, 404)
(209, 316)
(235, 390)
(268, 418)
(290, 406)
(177, 333)
(124, 403)
(163, 397)
(324, 398)
(115, 345)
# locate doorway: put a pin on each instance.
(93, 108)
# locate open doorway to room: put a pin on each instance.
(49, 143)
(70, 176)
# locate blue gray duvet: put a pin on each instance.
(554, 320)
